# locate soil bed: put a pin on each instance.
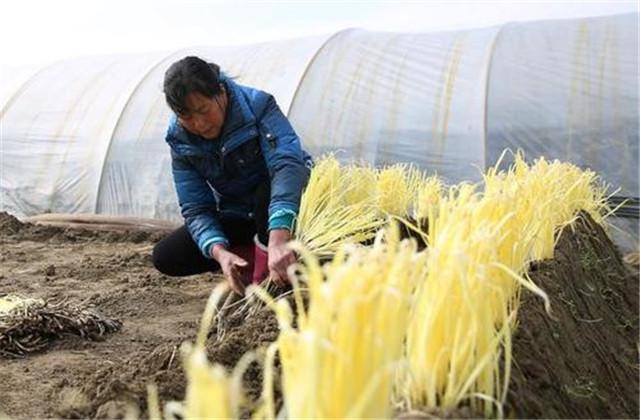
(580, 363)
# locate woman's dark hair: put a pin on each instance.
(190, 75)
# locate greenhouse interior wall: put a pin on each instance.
(86, 135)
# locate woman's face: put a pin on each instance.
(206, 115)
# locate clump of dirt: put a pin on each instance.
(163, 366)
(126, 382)
(9, 224)
(583, 361)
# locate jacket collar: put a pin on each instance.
(238, 119)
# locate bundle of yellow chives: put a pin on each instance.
(428, 198)
(359, 185)
(397, 189)
(339, 360)
(480, 246)
(337, 207)
(348, 204)
(556, 191)
(452, 338)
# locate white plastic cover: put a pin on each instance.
(13, 78)
(56, 130)
(388, 97)
(569, 90)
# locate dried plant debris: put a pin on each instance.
(233, 309)
(28, 325)
(633, 259)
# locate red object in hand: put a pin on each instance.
(261, 261)
(246, 252)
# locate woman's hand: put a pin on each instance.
(234, 268)
(280, 256)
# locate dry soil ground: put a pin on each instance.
(583, 362)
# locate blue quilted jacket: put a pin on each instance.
(214, 178)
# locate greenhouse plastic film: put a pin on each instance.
(389, 97)
(569, 90)
(87, 135)
(56, 131)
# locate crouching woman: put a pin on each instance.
(239, 171)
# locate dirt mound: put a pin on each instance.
(110, 272)
(10, 226)
(582, 363)
(126, 383)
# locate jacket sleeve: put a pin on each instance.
(198, 205)
(286, 163)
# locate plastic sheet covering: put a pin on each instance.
(389, 97)
(87, 135)
(137, 180)
(569, 90)
(56, 130)
(13, 77)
